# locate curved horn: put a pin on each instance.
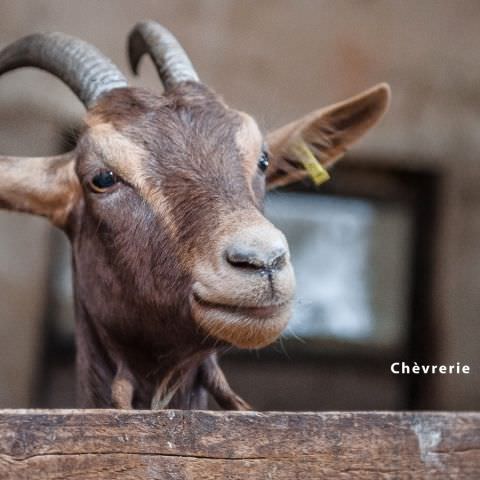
(80, 65)
(172, 62)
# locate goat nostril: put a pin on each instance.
(278, 259)
(258, 260)
(245, 260)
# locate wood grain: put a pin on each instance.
(172, 444)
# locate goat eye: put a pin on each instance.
(103, 181)
(263, 161)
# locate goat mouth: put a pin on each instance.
(258, 312)
(244, 326)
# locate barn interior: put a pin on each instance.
(387, 253)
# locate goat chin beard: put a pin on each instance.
(251, 327)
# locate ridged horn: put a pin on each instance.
(80, 65)
(170, 59)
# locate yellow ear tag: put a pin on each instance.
(314, 168)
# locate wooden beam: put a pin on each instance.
(173, 444)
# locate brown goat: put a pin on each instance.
(162, 202)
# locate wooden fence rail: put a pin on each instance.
(172, 444)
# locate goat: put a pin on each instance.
(162, 200)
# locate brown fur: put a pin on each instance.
(155, 294)
(18, 192)
(180, 155)
(328, 133)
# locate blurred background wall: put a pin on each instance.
(276, 59)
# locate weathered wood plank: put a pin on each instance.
(106, 444)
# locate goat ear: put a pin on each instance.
(46, 186)
(326, 133)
